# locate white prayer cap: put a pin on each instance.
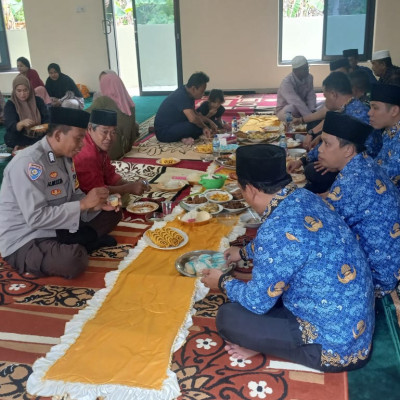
(299, 61)
(379, 55)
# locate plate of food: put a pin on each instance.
(194, 262)
(212, 208)
(292, 143)
(228, 162)
(235, 206)
(195, 217)
(165, 238)
(40, 128)
(271, 128)
(298, 178)
(142, 207)
(205, 148)
(191, 202)
(218, 196)
(235, 191)
(168, 161)
(4, 157)
(172, 185)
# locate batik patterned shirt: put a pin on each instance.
(369, 203)
(357, 109)
(389, 156)
(305, 253)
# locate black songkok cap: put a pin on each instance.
(350, 53)
(386, 93)
(262, 163)
(342, 62)
(346, 127)
(103, 117)
(69, 117)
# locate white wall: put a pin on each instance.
(234, 41)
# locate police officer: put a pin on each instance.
(47, 224)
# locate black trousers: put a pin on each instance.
(276, 333)
(316, 182)
(178, 131)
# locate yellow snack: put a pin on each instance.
(204, 148)
(220, 197)
(167, 161)
(165, 237)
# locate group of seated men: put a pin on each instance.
(318, 263)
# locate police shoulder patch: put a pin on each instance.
(34, 171)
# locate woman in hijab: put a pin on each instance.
(22, 112)
(58, 84)
(24, 68)
(115, 97)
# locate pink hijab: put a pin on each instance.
(112, 86)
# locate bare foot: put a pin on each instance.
(240, 353)
(188, 140)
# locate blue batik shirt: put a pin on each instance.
(306, 254)
(369, 203)
(389, 156)
(357, 109)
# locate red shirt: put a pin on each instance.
(93, 167)
(34, 78)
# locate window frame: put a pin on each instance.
(5, 63)
(368, 35)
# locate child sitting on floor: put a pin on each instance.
(212, 108)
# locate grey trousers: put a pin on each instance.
(49, 257)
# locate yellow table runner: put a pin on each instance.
(256, 123)
(129, 340)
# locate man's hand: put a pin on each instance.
(307, 142)
(137, 188)
(207, 132)
(211, 277)
(297, 121)
(232, 254)
(318, 166)
(96, 199)
(293, 165)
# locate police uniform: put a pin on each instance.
(305, 255)
(40, 197)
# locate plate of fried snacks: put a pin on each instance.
(228, 162)
(166, 238)
(142, 207)
(40, 128)
(205, 148)
(218, 196)
(235, 206)
(298, 178)
(193, 201)
(168, 161)
(194, 262)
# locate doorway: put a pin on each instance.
(158, 46)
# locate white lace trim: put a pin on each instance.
(61, 390)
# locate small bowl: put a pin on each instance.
(216, 183)
(210, 196)
(4, 157)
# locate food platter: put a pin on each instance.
(205, 148)
(192, 256)
(212, 208)
(152, 244)
(226, 162)
(235, 206)
(142, 207)
(218, 196)
(173, 186)
(186, 205)
(168, 161)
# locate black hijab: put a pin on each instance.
(63, 84)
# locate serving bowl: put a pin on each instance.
(195, 217)
(212, 181)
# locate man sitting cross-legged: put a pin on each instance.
(177, 120)
(364, 196)
(93, 165)
(310, 299)
(47, 224)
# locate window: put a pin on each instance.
(13, 37)
(322, 29)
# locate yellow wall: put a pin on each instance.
(234, 41)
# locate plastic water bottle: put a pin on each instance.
(234, 125)
(288, 120)
(216, 146)
(283, 142)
